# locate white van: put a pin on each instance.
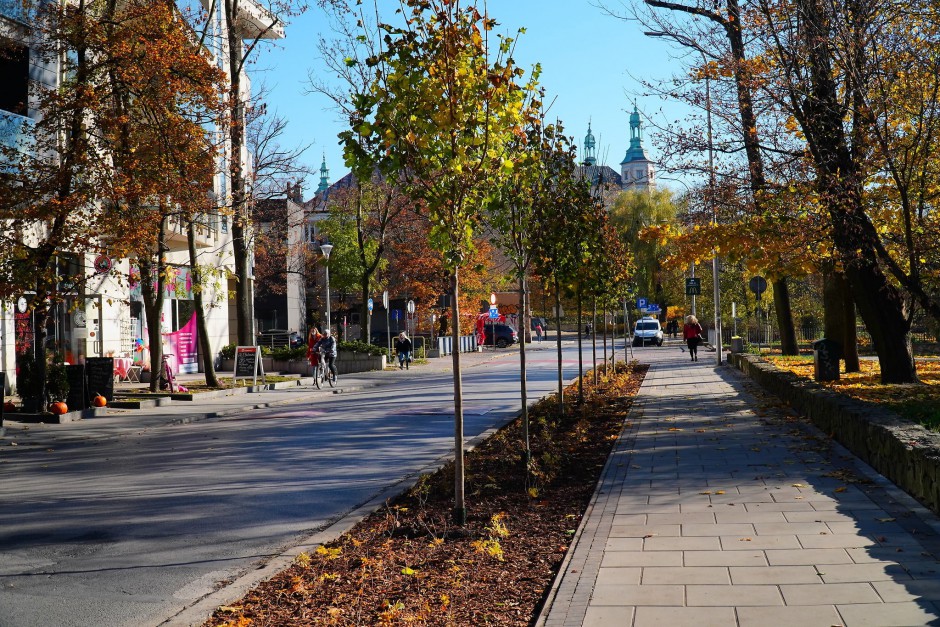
(647, 331)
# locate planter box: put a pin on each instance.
(358, 362)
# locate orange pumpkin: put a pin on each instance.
(9, 406)
(99, 401)
(58, 408)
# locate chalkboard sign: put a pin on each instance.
(248, 362)
(99, 378)
(76, 377)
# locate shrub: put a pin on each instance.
(286, 353)
(228, 351)
(361, 347)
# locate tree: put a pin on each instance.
(736, 63)
(443, 104)
(808, 48)
(111, 137)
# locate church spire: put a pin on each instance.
(590, 145)
(636, 169)
(324, 177)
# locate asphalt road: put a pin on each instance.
(130, 530)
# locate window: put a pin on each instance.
(14, 76)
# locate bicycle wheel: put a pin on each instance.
(317, 374)
(330, 377)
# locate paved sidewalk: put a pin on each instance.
(717, 507)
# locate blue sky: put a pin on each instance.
(591, 63)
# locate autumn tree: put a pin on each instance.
(112, 136)
(443, 102)
(809, 48)
(719, 38)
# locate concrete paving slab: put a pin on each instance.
(598, 616)
(724, 558)
(889, 615)
(829, 594)
(844, 573)
(667, 595)
(735, 595)
(661, 575)
(807, 557)
(619, 559)
(619, 577)
(773, 575)
(804, 616)
(684, 616)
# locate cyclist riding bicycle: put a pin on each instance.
(327, 347)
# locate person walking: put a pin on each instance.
(692, 334)
(327, 345)
(312, 356)
(403, 349)
(538, 332)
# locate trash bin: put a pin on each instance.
(737, 344)
(826, 356)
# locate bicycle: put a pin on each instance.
(322, 372)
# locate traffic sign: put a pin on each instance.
(758, 285)
(411, 306)
(396, 314)
(653, 308)
(640, 303)
(693, 286)
(369, 304)
(385, 299)
(494, 313)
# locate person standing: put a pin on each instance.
(327, 345)
(692, 334)
(403, 349)
(538, 332)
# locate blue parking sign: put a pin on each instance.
(640, 303)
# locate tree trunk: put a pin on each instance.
(241, 220)
(151, 289)
(788, 344)
(460, 508)
(526, 325)
(580, 358)
(594, 338)
(839, 317)
(365, 329)
(202, 330)
(561, 380)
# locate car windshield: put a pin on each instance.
(647, 326)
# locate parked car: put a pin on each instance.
(647, 331)
(504, 334)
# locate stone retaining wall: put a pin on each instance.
(904, 452)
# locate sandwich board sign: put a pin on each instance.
(248, 364)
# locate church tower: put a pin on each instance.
(324, 177)
(590, 148)
(635, 169)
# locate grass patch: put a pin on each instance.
(918, 403)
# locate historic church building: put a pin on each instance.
(636, 170)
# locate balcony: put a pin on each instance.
(207, 231)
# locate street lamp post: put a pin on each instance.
(326, 249)
(690, 43)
